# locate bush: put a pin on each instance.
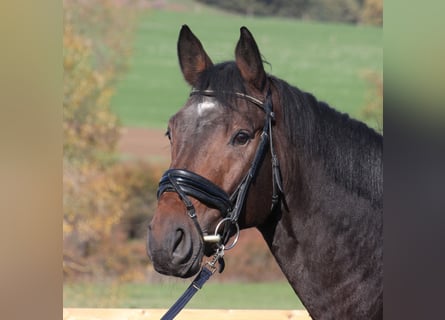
(140, 181)
(372, 12)
(97, 43)
(349, 11)
(90, 129)
(106, 214)
(337, 11)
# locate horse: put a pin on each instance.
(250, 150)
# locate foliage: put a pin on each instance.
(103, 210)
(372, 12)
(285, 8)
(349, 11)
(90, 129)
(109, 25)
(339, 11)
(140, 181)
(97, 41)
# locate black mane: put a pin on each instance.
(351, 152)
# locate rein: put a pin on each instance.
(186, 183)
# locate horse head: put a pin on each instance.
(219, 171)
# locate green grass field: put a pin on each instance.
(325, 59)
(277, 295)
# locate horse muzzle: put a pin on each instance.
(173, 249)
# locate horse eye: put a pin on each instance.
(168, 135)
(241, 138)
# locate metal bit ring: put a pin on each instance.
(230, 246)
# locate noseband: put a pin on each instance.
(186, 183)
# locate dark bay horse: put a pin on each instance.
(251, 149)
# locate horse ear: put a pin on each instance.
(192, 57)
(248, 60)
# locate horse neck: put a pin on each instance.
(329, 243)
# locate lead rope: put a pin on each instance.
(196, 285)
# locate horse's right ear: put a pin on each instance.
(192, 57)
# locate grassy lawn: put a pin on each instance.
(325, 59)
(274, 295)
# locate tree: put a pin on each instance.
(96, 44)
(372, 12)
(287, 8)
(338, 10)
(349, 11)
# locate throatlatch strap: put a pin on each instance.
(197, 284)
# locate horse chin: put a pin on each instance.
(183, 270)
(189, 269)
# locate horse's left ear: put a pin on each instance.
(248, 59)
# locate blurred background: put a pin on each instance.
(122, 83)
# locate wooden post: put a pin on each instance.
(186, 314)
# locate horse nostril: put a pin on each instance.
(179, 237)
(182, 247)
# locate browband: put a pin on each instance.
(211, 93)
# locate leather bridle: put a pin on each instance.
(186, 183)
